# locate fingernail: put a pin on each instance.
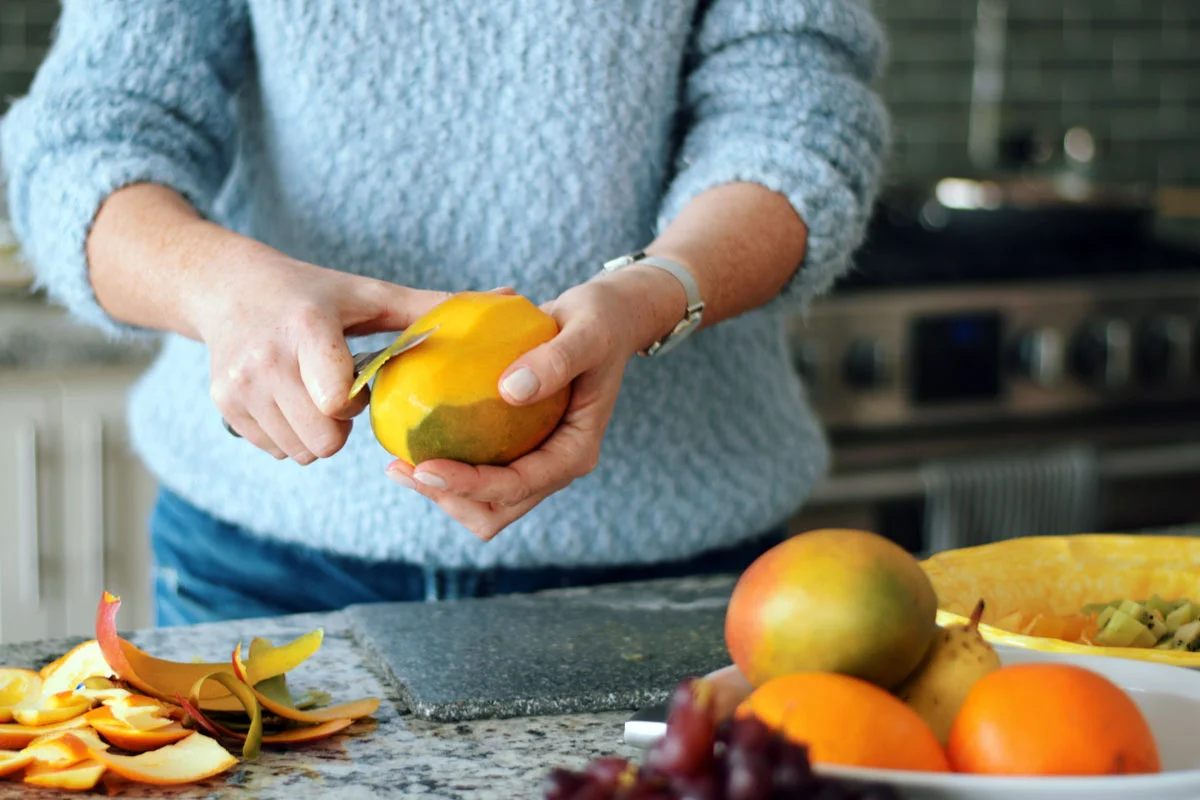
(400, 478)
(521, 385)
(429, 479)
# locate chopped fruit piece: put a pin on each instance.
(77, 778)
(192, 759)
(79, 664)
(17, 687)
(1156, 624)
(1105, 616)
(1098, 608)
(1122, 630)
(1188, 637)
(1182, 616)
(11, 761)
(15, 737)
(129, 738)
(163, 679)
(1156, 603)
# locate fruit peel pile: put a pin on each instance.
(108, 712)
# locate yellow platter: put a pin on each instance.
(1035, 588)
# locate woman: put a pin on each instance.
(265, 186)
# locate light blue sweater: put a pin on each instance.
(459, 144)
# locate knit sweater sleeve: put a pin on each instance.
(131, 91)
(778, 92)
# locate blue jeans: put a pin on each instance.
(207, 570)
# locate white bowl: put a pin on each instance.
(1168, 696)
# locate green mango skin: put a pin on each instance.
(485, 433)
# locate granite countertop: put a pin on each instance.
(393, 754)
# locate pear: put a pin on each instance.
(958, 658)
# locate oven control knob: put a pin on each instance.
(865, 365)
(1100, 353)
(1037, 356)
(1161, 351)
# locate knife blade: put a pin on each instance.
(371, 361)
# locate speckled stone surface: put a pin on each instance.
(392, 756)
(577, 650)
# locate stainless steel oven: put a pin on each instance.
(975, 390)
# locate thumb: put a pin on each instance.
(327, 371)
(549, 367)
(375, 306)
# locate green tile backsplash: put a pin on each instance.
(1128, 70)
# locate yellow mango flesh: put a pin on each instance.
(1035, 587)
(442, 400)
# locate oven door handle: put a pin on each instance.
(906, 483)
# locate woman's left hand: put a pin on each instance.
(600, 323)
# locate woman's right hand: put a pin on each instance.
(281, 370)
(275, 327)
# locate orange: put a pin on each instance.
(1050, 719)
(846, 720)
(442, 398)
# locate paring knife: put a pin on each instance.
(367, 364)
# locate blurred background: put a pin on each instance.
(1017, 351)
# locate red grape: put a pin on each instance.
(607, 771)
(742, 759)
(565, 784)
(793, 771)
(697, 787)
(687, 746)
(749, 776)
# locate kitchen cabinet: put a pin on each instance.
(29, 500)
(74, 503)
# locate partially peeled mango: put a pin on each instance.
(441, 399)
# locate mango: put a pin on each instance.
(442, 398)
(844, 601)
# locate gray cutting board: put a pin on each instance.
(616, 647)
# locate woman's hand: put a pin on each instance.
(602, 323)
(281, 370)
(275, 327)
